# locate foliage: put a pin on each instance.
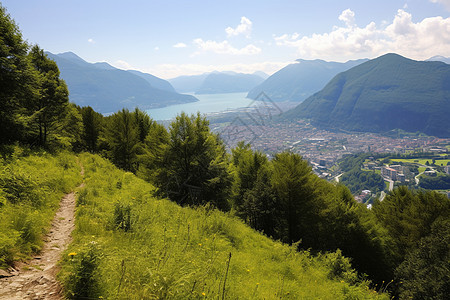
(435, 183)
(357, 180)
(195, 164)
(183, 253)
(122, 136)
(83, 281)
(17, 80)
(424, 274)
(407, 217)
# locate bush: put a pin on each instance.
(122, 216)
(83, 282)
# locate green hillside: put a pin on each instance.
(299, 80)
(142, 247)
(383, 94)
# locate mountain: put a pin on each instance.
(261, 74)
(107, 89)
(216, 83)
(382, 94)
(440, 58)
(188, 83)
(155, 82)
(300, 80)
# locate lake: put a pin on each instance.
(208, 103)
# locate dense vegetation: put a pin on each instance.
(129, 240)
(435, 183)
(128, 244)
(382, 94)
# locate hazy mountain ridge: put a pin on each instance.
(217, 82)
(382, 94)
(107, 89)
(299, 80)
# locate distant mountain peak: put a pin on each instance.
(385, 93)
(70, 56)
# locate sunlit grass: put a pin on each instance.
(31, 187)
(171, 252)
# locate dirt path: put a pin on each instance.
(36, 279)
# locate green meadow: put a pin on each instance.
(129, 244)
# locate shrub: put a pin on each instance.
(122, 216)
(83, 283)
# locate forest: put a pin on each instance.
(400, 244)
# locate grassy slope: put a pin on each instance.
(31, 187)
(182, 253)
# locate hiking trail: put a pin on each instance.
(36, 278)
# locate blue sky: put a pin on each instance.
(170, 38)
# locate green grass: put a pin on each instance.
(422, 161)
(130, 245)
(30, 189)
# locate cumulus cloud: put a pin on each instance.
(419, 40)
(91, 41)
(180, 45)
(245, 27)
(446, 3)
(173, 70)
(225, 47)
(347, 16)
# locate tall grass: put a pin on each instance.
(149, 248)
(31, 186)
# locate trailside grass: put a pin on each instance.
(128, 244)
(31, 186)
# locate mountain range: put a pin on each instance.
(382, 94)
(107, 89)
(299, 80)
(217, 82)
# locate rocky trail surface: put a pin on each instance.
(36, 278)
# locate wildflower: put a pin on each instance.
(203, 294)
(199, 244)
(248, 270)
(71, 254)
(257, 283)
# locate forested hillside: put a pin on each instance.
(169, 213)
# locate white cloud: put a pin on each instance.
(173, 70)
(91, 41)
(420, 40)
(156, 48)
(446, 3)
(225, 47)
(245, 27)
(347, 16)
(180, 45)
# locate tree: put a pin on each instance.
(17, 80)
(92, 126)
(425, 273)
(51, 103)
(292, 182)
(195, 164)
(122, 137)
(407, 216)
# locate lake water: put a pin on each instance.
(208, 103)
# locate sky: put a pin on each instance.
(169, 38)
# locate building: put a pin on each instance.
(389, 173)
